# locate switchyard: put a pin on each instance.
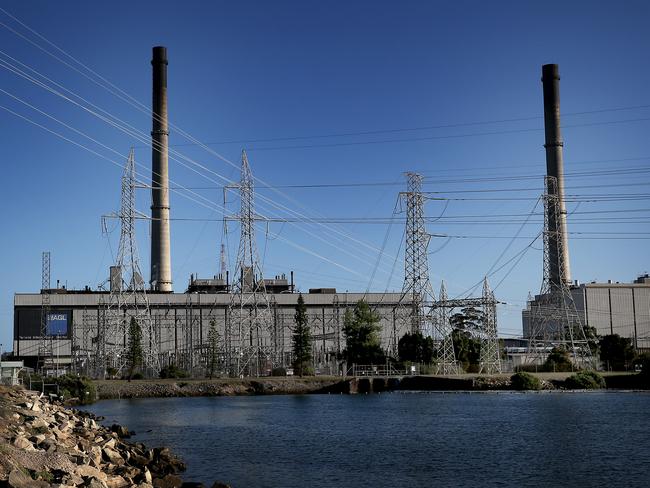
(246, 320)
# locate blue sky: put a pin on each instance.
(283, 75)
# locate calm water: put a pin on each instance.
(400, 439)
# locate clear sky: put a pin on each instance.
(331, 93)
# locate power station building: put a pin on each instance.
(182, 321)
(609, 308)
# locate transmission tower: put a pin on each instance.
(249, 325)
(417, 293)
(45, 349)
(446, 355)
(127, 293)
(489, 359)
(554, 319)
(417, 298)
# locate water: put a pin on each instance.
(400, 439)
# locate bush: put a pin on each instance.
(278, 372)
(171, 371)
(585, 380)
(80, 387)
(525, 381)
(558, 361)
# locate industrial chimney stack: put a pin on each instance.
(161, 274)
(558, 242)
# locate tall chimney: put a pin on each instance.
(560, 271)
(161, 273)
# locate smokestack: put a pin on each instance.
(560, 271)
(161, 273)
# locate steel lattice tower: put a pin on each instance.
(45, 349)
(417, 293)
(490, 359)
(446, 355)
(554, 318)
(127, 292)
(249, 326)
(415, 305)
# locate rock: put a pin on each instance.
(95, 483)
(73, 479)
(116, 482)
(138, 460)
(110, 444)
(121, 431)
(169, 481)
(40, 424)
(96, 455)
(18, 479)
(147, 476)
(113, 456)
(22, 443)
(37, 439)
(86, 471)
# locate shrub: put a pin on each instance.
(585, 380)
(78, 387)
(278, 372)
(525, 381)
(558, 361)
(171, 371)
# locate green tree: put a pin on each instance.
(616, 352)
(466, 348)
(302, 356)
(361, 330)
(469, 318)
(558, 360)
(213, 348)
(134, 353)
(416, 348)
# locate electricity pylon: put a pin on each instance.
(490, 359)
(417, 298)
(127, 298)
(45, 348)
(554, 319)
(249, 325)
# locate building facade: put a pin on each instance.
(610, 308)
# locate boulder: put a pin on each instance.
(86, 471)
(168, 481)
(117, 482)
(121, 431)
(113, 456)
(40, 424)
(21, 443)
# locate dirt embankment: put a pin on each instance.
(45, 444)
(218, 387)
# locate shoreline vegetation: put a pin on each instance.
(163, 388)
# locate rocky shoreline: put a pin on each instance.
(45, 444)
